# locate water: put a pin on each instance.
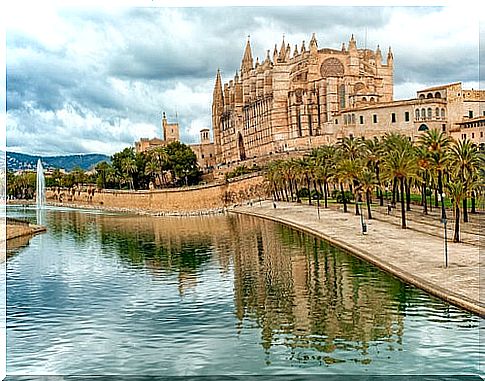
(105, 293)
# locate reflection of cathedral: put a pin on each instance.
(309, 294)
(304, 97)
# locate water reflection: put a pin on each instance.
(272, 297)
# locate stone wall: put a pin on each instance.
(185, 199)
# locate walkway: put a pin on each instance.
(416, 255)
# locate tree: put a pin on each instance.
(102, 171)
(400, 163)
(465, 162)
(367, 182)
(183, 164)
(457, 192)
(437, 143)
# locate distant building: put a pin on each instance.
(204, 151)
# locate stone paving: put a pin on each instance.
(415, 255)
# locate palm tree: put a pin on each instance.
(373, 152)
(367, 182)
(400, 164)
(457, 193)
(423, 162)
(465, 161)
(129, 168)
(437, 143)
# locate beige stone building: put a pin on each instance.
(473, 129)
(204, 150)
(296, 101)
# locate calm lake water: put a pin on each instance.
(107, 293)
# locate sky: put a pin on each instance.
(94, 79)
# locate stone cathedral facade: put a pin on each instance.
(289, 100)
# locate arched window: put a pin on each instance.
(443, 113)
(423, 127)
(430, 113)
(422, 96)
(437, 112)
(429, 96)
(372, 100)
(417, 113)
(353, 118)
(364, 99)
(437, 94)
(423, 113)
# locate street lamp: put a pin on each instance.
(444, 221)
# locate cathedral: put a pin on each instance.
(284, 102)
(297, 99)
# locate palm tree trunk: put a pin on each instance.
(367, 197)
(403, 210)
(325, 192)
(473, 211)
(394, 191)
(380, 195)
(308, 187)
(343, 197)
(408, 195)
(456, 237)
(291, 190)
(465, 210)
(425, 200)
(436, 197)
(297, 192)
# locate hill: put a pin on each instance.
(20, 161)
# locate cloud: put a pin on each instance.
(96, 80)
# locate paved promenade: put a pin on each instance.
(416, 255)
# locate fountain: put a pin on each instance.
(40, 190)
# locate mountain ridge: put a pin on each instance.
(20, 161)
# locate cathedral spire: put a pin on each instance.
(282, 54)
(295, 53)
(313, 44)
(247, 61)
(275, 54)
(352, 44)
(390, 57)
(217, 95)
(378, 55)
(303, 48)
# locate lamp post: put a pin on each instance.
(444, 221)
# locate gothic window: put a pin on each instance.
(417, 113)
(353, 118)
(364, 99)
(437, 112)
(299, 96)
(443, 113)
(332, 67)
(372, 100)
(423, 113)
(430, 113)
(341, 94)
(423, 127)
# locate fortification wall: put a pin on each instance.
(185, 199)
